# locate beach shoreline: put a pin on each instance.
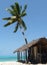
(16, 63)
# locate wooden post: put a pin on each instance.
(18, 56)
(40, 53)
(35, 52)
(26, 55)
(21, 55)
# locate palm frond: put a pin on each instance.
(17, 7)
(10, 18)
(23, 14)
(7, 18)
(24, 8)
(12, 6)
(23, 25)
(11, 12)
(16, 28)
(9, 23)
(20, 9)
(13, 17)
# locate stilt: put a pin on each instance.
(21, 55)
(26, 55)
(18, 56)
(40, 53)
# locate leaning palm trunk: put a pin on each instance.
(25, 41)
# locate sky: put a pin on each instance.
(36, 22)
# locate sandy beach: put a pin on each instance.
(17, 63)
(12, 63)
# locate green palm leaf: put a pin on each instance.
(14, 9)
(17, 7)
(24, 8)
(20, 9)
(12, 6)
(24, 26)
(7, 18)
(23, 14)
(16, 28)
(11, 12)
(10, 18)
(9, 23)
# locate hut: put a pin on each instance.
(36, 51)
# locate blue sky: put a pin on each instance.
(36, 22)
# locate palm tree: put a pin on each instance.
(17, 14)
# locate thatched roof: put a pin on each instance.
(34, 42)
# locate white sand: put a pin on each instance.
(17, 63)
(11, 63)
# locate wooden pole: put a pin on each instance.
(40, 53)
(26, 55)
(18, 56)
(21, 55)
(25, 40)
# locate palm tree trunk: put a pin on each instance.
(25, 41)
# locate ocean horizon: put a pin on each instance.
(8, 58)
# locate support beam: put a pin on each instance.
(18, 56)
(40, 52)
(26, 54)
(21, 55)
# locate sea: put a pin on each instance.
(8, 58)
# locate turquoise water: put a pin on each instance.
(8, 58)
